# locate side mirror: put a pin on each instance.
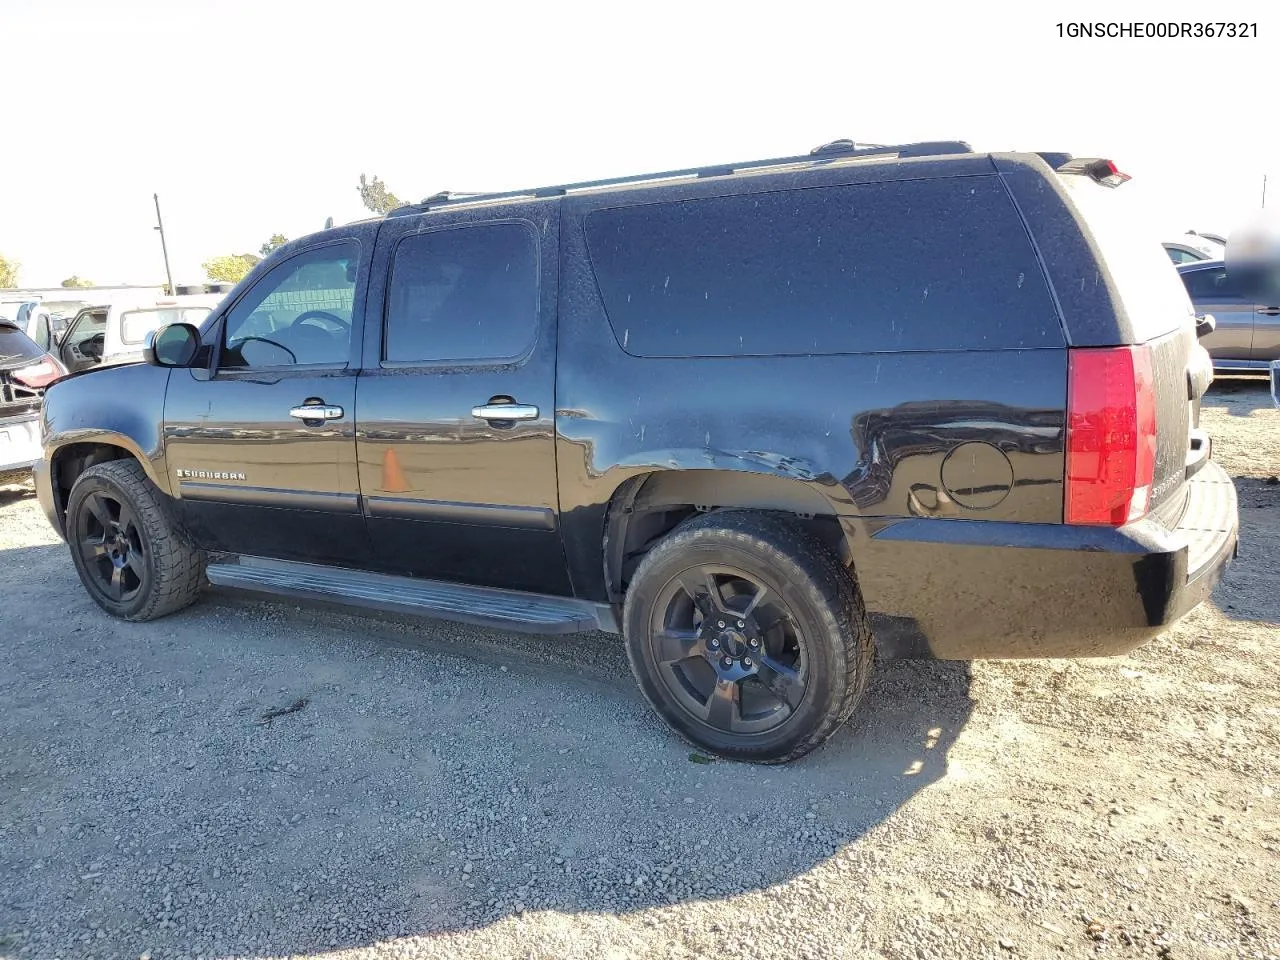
(1205, 325)
(173, 345)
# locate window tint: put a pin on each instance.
(16, 348)
(466, 293)
(300, 312)
(913, 265)
(1182, 256)
(1209, 284)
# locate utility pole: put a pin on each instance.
(1264, 191)
(164, 247)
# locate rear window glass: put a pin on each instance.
(1148, 283)
(16, 347)
(907, 265)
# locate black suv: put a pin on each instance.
(750, 417)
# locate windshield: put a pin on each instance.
(136, 324)
(1154, 298)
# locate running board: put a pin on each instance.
(482, 606)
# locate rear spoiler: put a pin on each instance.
(1098, 169)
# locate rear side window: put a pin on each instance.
(464, 293)
(907, 265)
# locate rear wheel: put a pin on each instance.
(132, 555)
(748, 636)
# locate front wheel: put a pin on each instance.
(133, 556)
(748, 636)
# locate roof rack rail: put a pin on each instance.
(452, 195)
(833, 152)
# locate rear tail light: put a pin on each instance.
(40, 374)
(1111, 435)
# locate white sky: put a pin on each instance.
(250, 118)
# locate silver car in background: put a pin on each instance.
(1247, 336)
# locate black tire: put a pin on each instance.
(798, 680)
(133, 556)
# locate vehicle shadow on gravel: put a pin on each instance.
(258, 778)
(12, 494)
(1240, 395)
(1248, 589)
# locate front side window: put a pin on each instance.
(89, 325)
(299, 313)
(1211, 284)
(464, 293)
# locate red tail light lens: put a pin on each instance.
(1111, 435)
(40, 374)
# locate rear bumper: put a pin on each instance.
(967, 589)
(19, 442)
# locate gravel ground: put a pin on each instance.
(258, 779)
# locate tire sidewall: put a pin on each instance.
(825, 658)
(92, 482)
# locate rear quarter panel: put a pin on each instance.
(866, 434)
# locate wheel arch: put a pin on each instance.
(70, 459)
(646, 507)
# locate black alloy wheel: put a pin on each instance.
(748, 635)
(729, 651)
(133, 555)
(112, 544)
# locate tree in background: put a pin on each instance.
(375, 195)
(74, 281)
(230, 269)
(277, 240)
(8, 272)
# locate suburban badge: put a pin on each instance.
(209, 474)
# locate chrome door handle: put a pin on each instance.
(505, 411)
(316, 411)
